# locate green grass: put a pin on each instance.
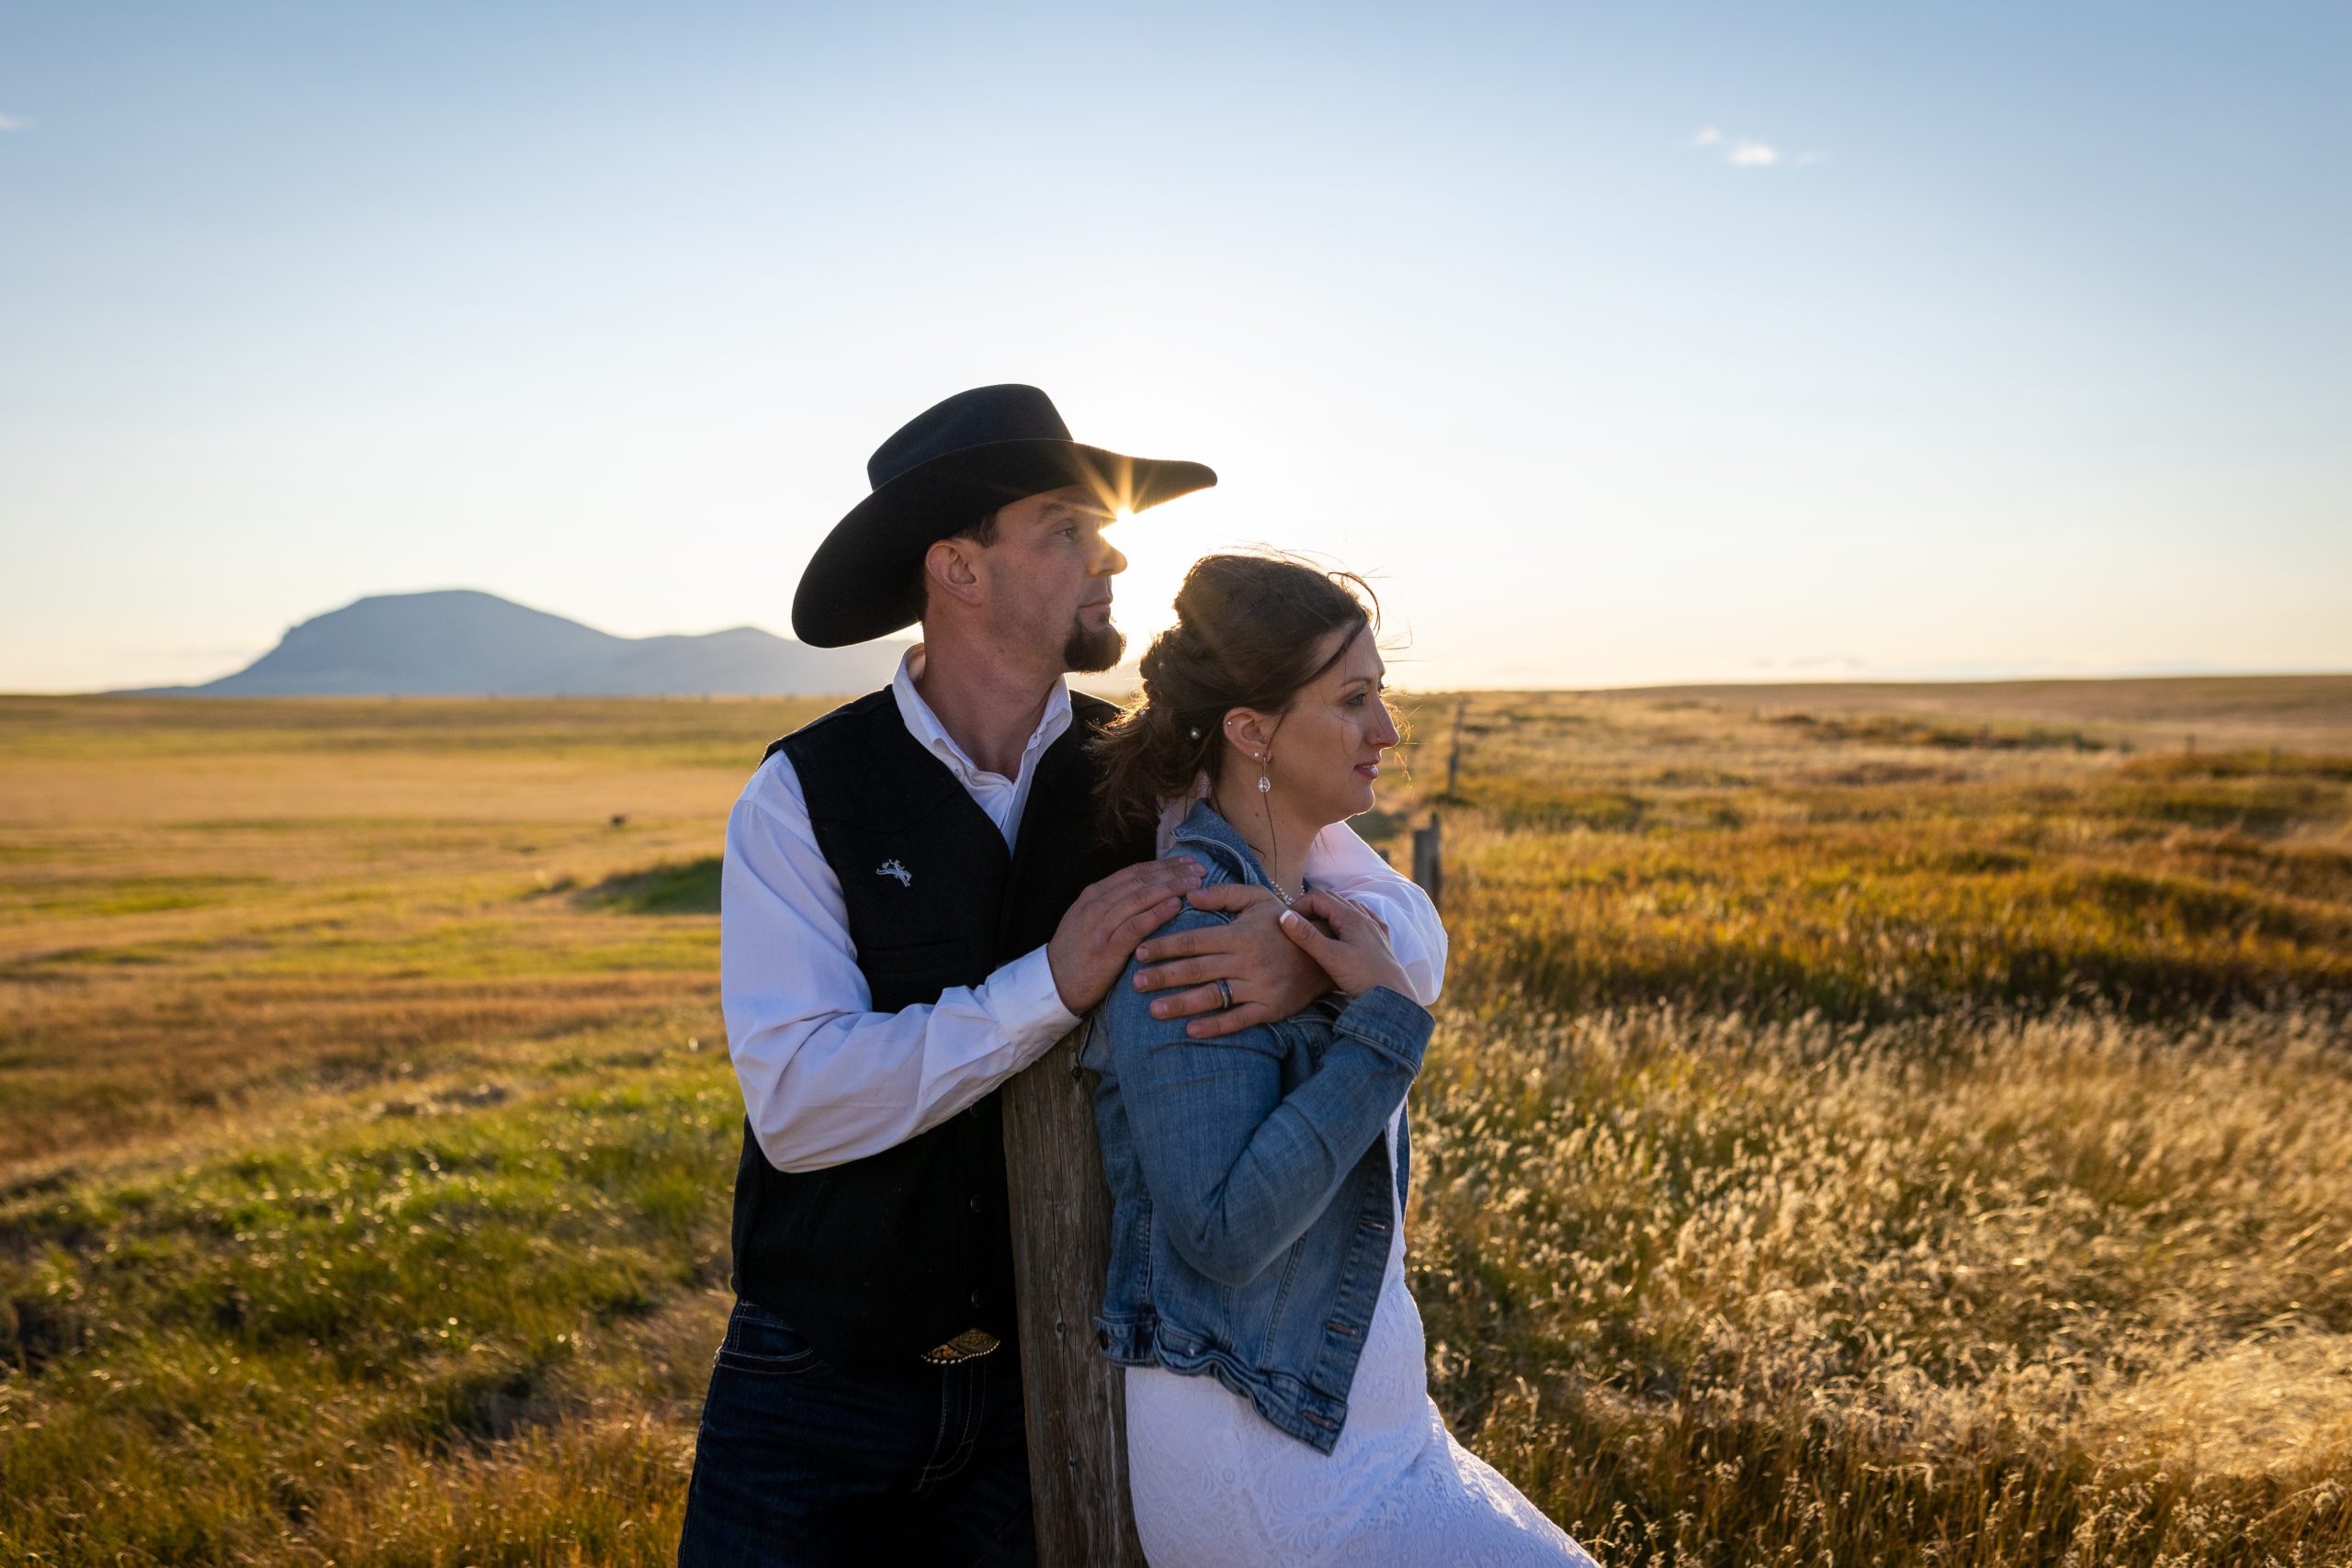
(204, 1356)
(2158, 886)
(691, 888)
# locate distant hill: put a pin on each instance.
(463, 643)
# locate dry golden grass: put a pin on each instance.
(1859, 1131)
(205, 905)
(2308, 711)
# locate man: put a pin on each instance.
(918, 900)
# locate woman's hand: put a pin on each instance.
(1348, 941)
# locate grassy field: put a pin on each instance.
(1860, 1130)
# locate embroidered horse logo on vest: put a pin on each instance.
(892, 868)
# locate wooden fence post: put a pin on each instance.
(1454, 757)
(1429, 862)
(1074, 1395)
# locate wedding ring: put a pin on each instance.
(1225, 989)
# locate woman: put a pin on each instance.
(1278, 1410)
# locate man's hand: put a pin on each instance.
(1269, 974)
(1100, 931)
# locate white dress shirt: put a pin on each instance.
(825, 1080)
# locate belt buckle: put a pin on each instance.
(970, 1345)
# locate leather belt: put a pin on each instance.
(968, 1345)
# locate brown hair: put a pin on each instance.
(1249, 633)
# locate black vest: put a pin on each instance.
(879, 1259)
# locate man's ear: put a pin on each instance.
(950, 569)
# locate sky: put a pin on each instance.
(1618, 344)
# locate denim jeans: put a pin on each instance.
(798, 1464)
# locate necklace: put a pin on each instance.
(1280, 892)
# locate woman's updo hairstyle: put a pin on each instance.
(1249, 633)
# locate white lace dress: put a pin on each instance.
(1214, 1484)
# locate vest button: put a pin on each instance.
(975, 1203)
(976, 1301)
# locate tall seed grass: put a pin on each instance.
(1977, 1290)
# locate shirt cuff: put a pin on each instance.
(1028, 1005)
(1391, 1020)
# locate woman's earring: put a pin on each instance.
(1264, 784)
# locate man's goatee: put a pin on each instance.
(1089, 653)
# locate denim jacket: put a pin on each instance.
(1250, 1187)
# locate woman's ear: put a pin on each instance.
(1248, 732)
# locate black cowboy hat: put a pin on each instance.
(946, 469)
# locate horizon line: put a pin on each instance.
(1723, 683)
